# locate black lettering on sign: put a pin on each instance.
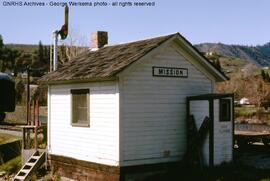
(170, 72)
(160, 71)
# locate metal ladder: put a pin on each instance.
(33, 163)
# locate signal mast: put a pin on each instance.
(63, 33)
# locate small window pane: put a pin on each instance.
(80, 108)
(225, 110)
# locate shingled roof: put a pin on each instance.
(108, 61)
(105, 62)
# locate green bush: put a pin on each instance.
(12, 166)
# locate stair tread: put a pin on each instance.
(19, 177)
(25, 170)
(30, 164)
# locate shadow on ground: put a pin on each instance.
(251, 164)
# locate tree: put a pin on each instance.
(1, 53)
(1, 46)
(23, 61)
(8, 57)
(74, 45)
(63, 54)
(217, 64)
(20, 88)
(263, 74)
(40, 52)
(41, 59)
(1, 41)
(259, 91)
(38, 56)
(250, 86)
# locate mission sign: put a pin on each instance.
(170, 72)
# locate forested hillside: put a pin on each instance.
(15, 59)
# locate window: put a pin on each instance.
(80, 107)
(225, 110)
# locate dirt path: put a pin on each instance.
(14, 133)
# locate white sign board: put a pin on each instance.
(170, 72)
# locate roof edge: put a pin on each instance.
(74, 81)
(143, 39)
(222, 76)
(170, 36)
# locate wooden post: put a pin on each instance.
(30, 114)
(36, 143)
(23, 142)
(28, 97)
(34, 113)
(27, 140)
(37, 114)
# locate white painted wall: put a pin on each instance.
(98, 143)
(200, 109)
(153, 109)
(223, 148)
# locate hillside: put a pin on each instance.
(233, 65)
(232, 57)
(259, 55)
(23, 47)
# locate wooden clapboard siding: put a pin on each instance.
(98, 143)
(222, 137)
(153, 109)
(200, 109)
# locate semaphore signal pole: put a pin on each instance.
(55, 50)
(63, 32)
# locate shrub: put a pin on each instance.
(12, 166)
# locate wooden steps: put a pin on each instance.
(33, 163)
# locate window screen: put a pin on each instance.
(225, 110)
(80, 107)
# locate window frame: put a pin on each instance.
(80, 91)
(228, 106)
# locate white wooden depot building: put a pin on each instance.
(127, 105)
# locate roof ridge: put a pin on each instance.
(108, 61)
(138, 40)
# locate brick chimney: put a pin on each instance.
(99, 39)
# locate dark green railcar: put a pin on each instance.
(7, 95)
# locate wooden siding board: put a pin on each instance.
(146, 103)
(97, 143)
(222, 138)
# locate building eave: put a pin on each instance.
(218, 74)
(76, 81)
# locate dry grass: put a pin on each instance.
(12, 166)
(6, 138)
(19, 116)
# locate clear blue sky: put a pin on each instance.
(228, 21)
